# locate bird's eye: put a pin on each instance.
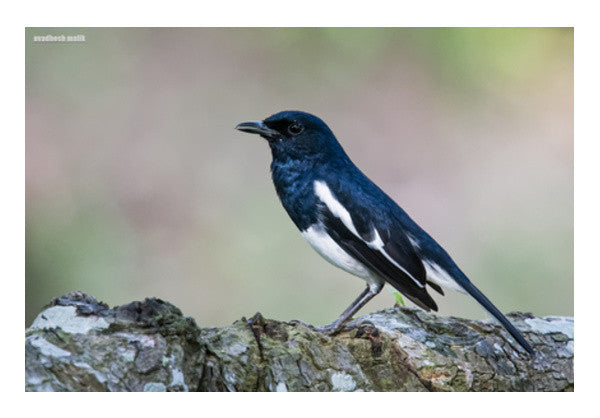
(295, 128)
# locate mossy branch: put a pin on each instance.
(79, 344)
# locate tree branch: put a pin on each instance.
(79, 344)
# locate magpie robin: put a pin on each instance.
(352, 223)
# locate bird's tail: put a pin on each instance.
(489, 306)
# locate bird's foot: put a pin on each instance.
(330, 329)
(327, 329)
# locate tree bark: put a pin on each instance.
(79, 344)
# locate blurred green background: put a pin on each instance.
(137, 184)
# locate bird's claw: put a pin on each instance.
(327, 329)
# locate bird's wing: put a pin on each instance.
(385, 250)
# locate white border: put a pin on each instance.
(304, 13)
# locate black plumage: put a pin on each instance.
(352, 223)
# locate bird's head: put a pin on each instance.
(295, 134)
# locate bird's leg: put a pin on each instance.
(358, 303)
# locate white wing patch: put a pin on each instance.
(413, 241)
(338, 210)
(377, 244)
(440, 277)
(335, 207)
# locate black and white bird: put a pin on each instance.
(352, 223)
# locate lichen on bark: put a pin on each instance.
(79, 344)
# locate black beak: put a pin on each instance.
(257, 127)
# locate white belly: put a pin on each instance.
(330, 251)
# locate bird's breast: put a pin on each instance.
(294, 188)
